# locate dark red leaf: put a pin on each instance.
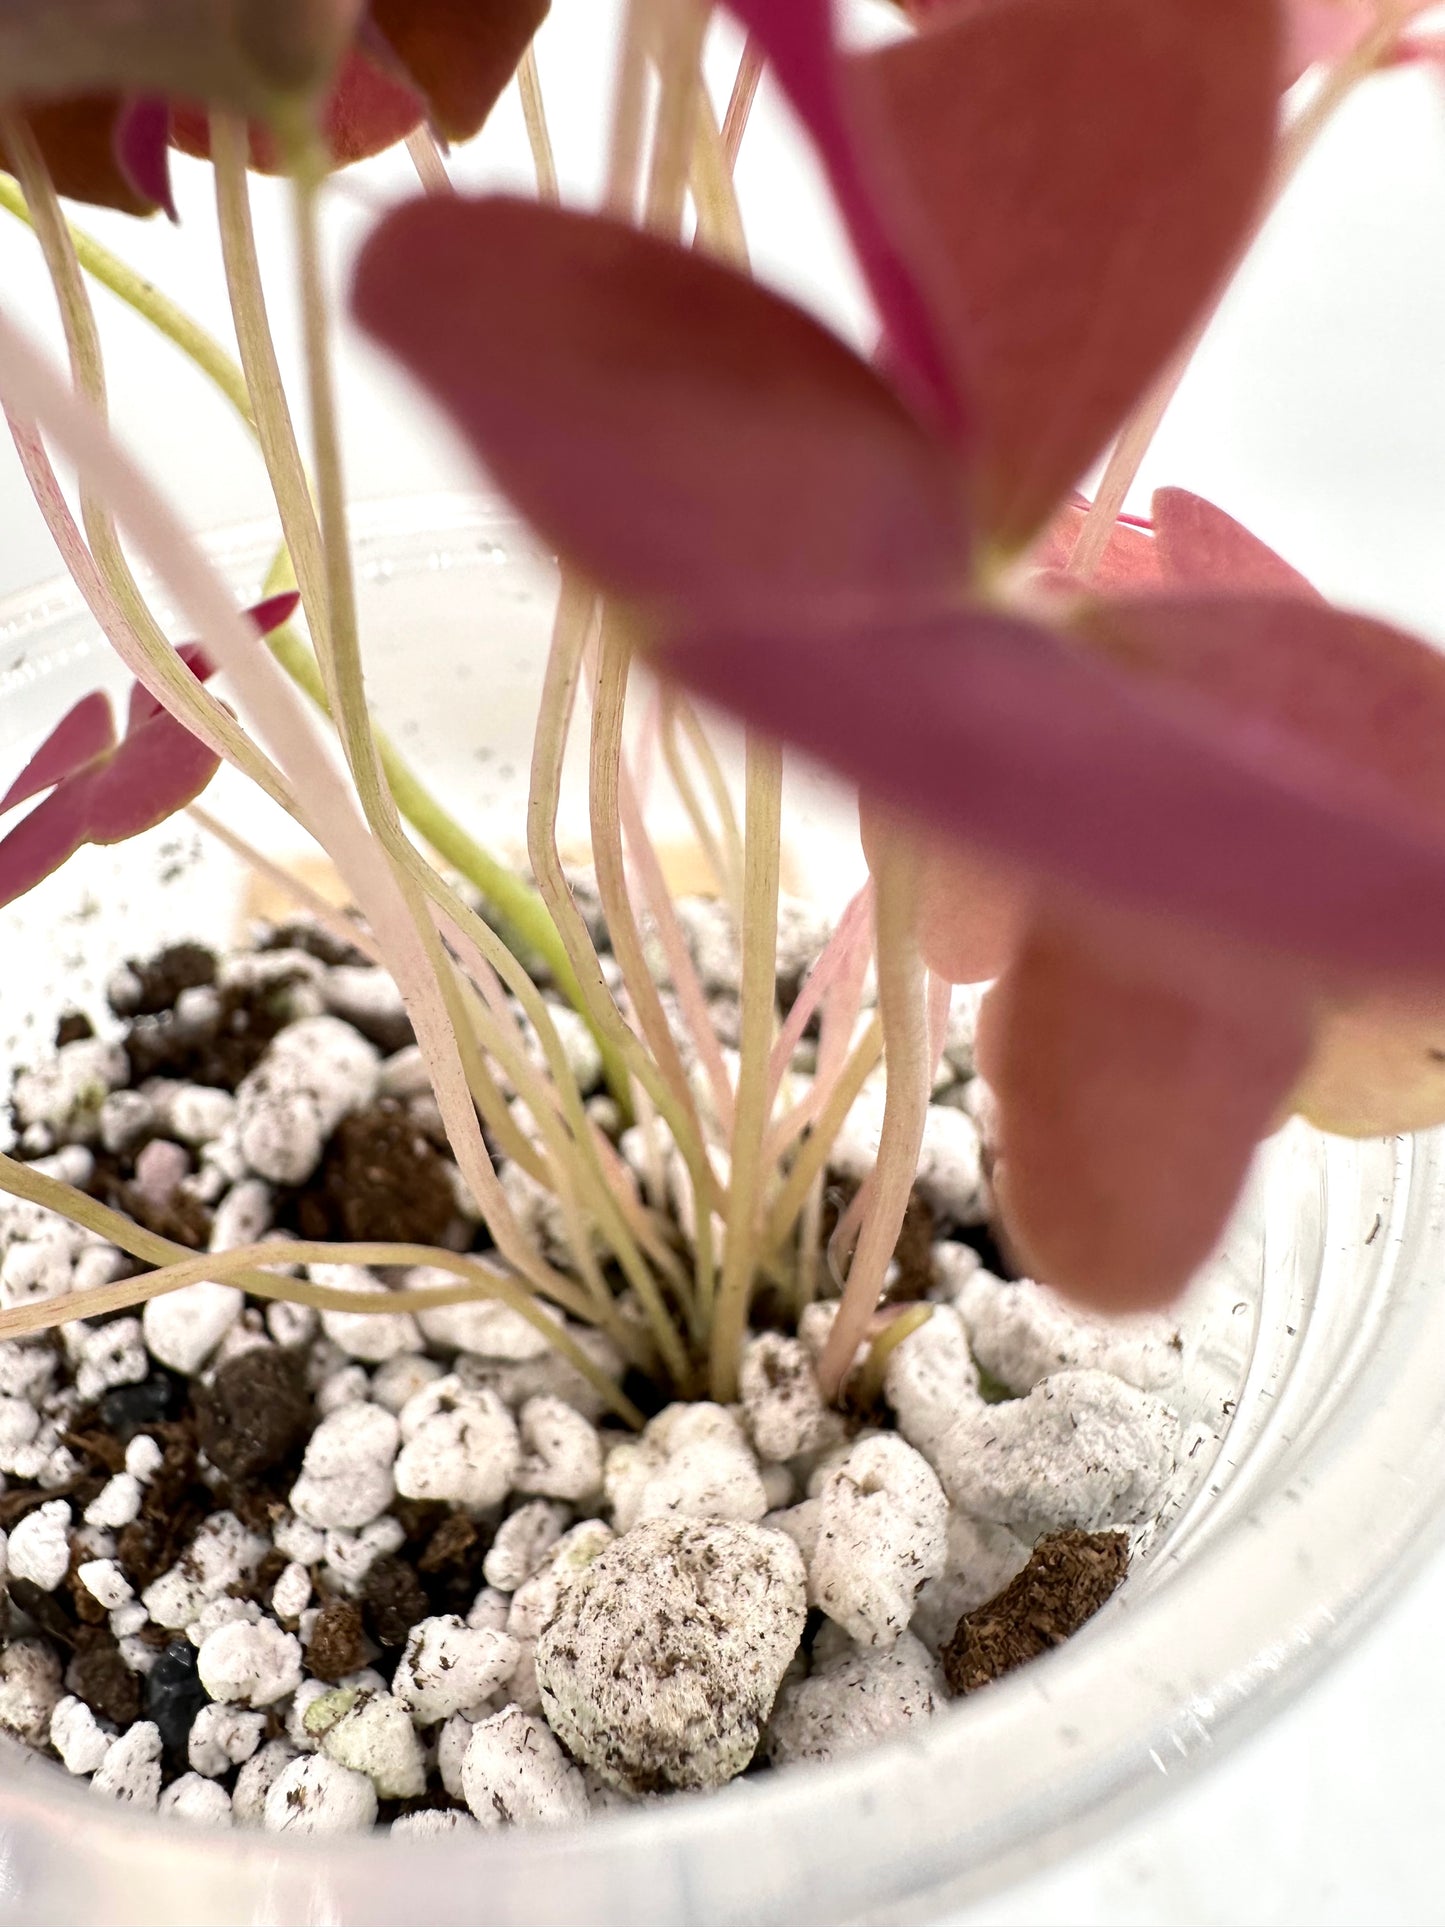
(459, 53)
(682, 434)
(142, 149)
(366, 112)
(77, 139)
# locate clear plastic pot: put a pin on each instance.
(1311, 1478)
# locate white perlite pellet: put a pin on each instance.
(117, 1503)
(200, 1801)
(432, 1825)
(78, 1736)
(452, 1743)
(255, 1780)
(243, 1216)
(143, 1457)
(182, 1328)
(30, 1689)
(291, 1594)
(313, 1073)
(489, 1610)
(782, 1404)
(1024, 1332)
(522, 1542)
(693, 1461)
(931, 1378)
(105, 1582)
(981, 1559)
(487, 1328)
(346, 1474)
(949, 1176)
(110, 1355)
(882, 1519)
(351, 1555)
(372, 1337)
(548, 1376)
(65, 1094)
(349, 1386)
(315, 1795)
(1083, 1449)
(223, 1555)
(461, 1445)
(398, 1381)
(372, 1733)
(39, 1548)
(561, 1452)
(223, 1736)
(664, 1655)
(867, 1696)
(131, 1769)
(447, 1666)
(250, 1663)
(514, 1773)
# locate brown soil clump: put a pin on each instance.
(99, 1676)
(380, 1181)
(255, 1412)
(1068, 1578)
(338, 1641)
(162, 978)
(392, 1601)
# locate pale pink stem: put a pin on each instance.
(740, 103)
(205, 718)
(657, 899)
(32, 389)
(820, 979)
(840, 1018)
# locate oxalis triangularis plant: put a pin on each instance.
(1186, 815)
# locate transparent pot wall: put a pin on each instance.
(1311, 1464)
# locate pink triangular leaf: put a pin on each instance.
(1200, 547)
(681, 434)
(1072, 182)
(798, 39)
(991, 731)
(1362, 698)
(51, 834)
(268, 614)
(157, 770)
(1128, 1112)
(84, 732)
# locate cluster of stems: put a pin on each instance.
(751, 1144)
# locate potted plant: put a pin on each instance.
(373, 1241)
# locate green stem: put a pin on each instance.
(513, 900)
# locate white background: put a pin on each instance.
(1316, 413)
